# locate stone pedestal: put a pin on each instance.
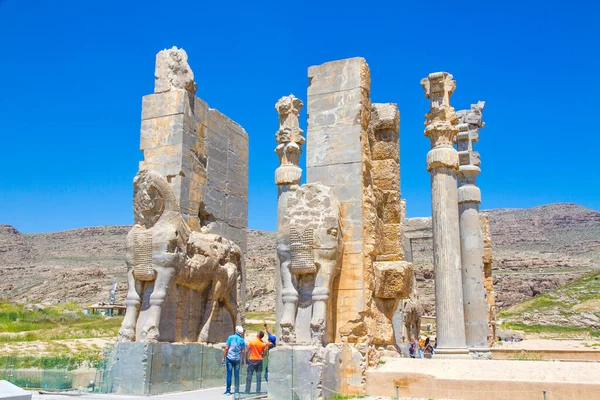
(8, 391)
(442, 163)
(150, 369)
(309, 372)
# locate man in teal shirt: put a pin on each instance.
(233, 354)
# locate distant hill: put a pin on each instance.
(535, 250)
(572, 308)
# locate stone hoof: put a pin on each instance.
(317, 323)
(287, 322)
(150, 334)
(126, 334)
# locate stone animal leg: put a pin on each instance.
(326, 264)
(217, 292)
(164, 278)
(417, 327)
(231, 287)
(127, 331)
(288, 288)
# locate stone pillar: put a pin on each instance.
(484, 220)
(442, 163)
(338, 118)
(391, 280)
(471, 240)
(287, 175)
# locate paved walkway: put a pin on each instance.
(205, 394)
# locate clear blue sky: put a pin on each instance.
(73, 74)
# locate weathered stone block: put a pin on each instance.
(173, 71)
(393, 279)
(392, 209)
(334, 146)
(339, 75)
(304, 372)
(392, 243)
(383, 150)
(386, 174)
(385, 116)
(237, 211)
(173, 102)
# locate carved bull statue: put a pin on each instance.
(309, 248)
(163, 251)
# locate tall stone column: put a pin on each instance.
(289, 141)
(442, 163)
(471, 239)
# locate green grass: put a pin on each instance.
(562, 301)
(262, 315)
(69, 361)
(539, 328)
(65, 321)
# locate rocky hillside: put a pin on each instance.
(576, 305)
(535, 250)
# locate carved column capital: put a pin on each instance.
(469, 122)
(289, 141)
(440, 124)
(441, 121)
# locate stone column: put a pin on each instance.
(289, 141)
(471, 240)
(484, 220)
(442, 163)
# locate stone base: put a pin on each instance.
(314, 372)
(480, 353)
(150, 369)
(489, 380)
(452, 353)
(8, 391)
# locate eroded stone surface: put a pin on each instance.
(173, 71)
(164, 254)
(309, 247)
(191, 213)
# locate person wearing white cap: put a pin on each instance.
(233, 354)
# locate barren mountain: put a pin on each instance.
(535, 250)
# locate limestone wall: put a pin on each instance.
(353, 147)
(338, 112)
(203, 154)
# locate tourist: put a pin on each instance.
(232, 357)
(254, 357)
(272, 343)
(421, 347)
(412, 348)
(428, 349)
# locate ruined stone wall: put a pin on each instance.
(387, 278)
(338, 117)
(484, 220)
(204, 156)
(353, 147)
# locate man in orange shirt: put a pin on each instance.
(254, 357)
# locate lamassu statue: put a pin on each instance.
(163, 252)
(309, 246)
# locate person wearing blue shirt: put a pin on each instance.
(233, 354)
(272, 340)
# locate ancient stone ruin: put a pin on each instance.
(346, 288)
(185, 250)
(340, 245)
